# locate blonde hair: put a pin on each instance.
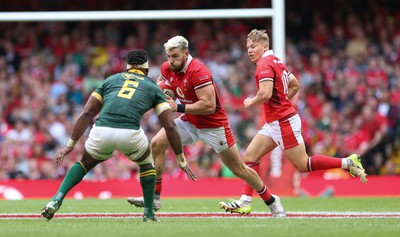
(177, 42)
(258, 36)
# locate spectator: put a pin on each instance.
(39, 61)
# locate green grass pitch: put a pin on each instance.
(208, 227)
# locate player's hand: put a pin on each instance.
(171, 103)
(189, 172)
(60, 157)
(247, 103)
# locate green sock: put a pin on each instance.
(73, 177)
(147, 181)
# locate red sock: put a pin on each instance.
(320, 162)
(264, 194)
(158, 186)
(247, 189)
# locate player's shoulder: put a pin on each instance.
(165, 66)
(118, 74)
(197, 63)
(270, 61)
(165, 70)
(197, 66)
(150, 82)
(112, 77)
(273, 59)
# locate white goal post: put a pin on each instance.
(277, 13)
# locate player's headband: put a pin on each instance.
(144, 65)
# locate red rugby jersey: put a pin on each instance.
(193, 76)
(271, 68)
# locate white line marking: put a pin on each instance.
(206, 215)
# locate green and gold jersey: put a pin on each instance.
(126, 97)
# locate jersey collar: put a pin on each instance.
(136, 71)
(190, 58)
(268, 52)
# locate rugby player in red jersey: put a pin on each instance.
(203, 119)
(276, 86)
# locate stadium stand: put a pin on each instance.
(346, 54)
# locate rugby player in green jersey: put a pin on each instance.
(122, 99)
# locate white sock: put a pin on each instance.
(345, 164)
(246, 198)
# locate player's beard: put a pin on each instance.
(176, 68)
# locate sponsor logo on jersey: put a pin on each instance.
(278, 61)
(169, 93)
(180, 92)
(203, 78)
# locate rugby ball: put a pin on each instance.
(166, 88)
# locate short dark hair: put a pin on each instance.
(137, 57)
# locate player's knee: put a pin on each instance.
(88, 161)
(158, 145)
(238, 173)
(239, 170)
(247, 157)
(147, 160)
(89, 164)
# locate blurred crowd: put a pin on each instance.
(346, 56)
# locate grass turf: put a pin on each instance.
(208, 227)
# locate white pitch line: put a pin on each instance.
(318, 215)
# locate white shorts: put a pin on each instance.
(286, 133)
(219, 139)
(103, 141)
